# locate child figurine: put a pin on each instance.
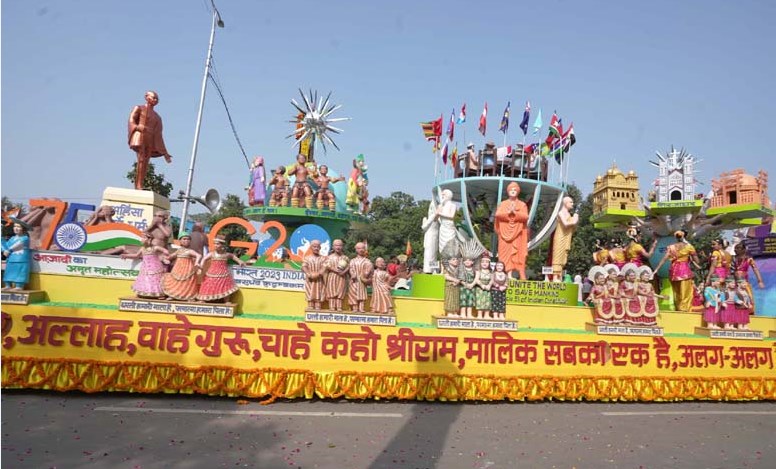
(181, 283)
(218, 283)
(452, 287)
(483, 282)
(466, 297)
(647, 297)
(599, 296)
(498, 291)
(149, 281)
(18, 257)
(382, 303)
(712, 303)
(279, 181)
(613, 291)
(729, 316)
(629, 295)
(744, 307)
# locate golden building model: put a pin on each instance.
(616, 191)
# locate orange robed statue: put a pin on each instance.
(145, 136)
(511, 219)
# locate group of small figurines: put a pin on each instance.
(328, 279)
(725, 298)
(623, 296)
(193, 277)
(475, 292)
(301, 193)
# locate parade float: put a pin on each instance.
(254, 326)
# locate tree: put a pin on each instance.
(232, 206)
(153, 181)
(393, 221)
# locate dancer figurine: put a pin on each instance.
(634, 251)
(149, 281)
(314, 268)
(18, 257)
(719, 260)
(218, 283)
(382, 303)
(181, 283)
(681, 254)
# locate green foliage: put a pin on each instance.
(7, 204)
(153, 181)
(232, 206)
(392, 221)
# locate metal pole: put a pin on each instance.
(190, 180)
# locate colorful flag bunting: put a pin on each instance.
(484, 120)
(444, 154)
(526, 116)
(454, 157)
(505, 120)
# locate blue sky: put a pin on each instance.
(633, 77)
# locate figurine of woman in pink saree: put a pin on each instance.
(218, 283)
(149, 281)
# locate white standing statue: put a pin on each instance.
(445, 213)
(430, 227)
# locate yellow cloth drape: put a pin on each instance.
(93, 376)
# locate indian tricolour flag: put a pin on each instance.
(110, 235)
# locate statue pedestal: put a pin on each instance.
(476, 324)
(150, 305)
(348, 317)
(736, 334)
(134, 207)
(22, 297)
(623, 329)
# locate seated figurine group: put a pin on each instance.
(631, 300)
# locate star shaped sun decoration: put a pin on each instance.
(316, 122)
